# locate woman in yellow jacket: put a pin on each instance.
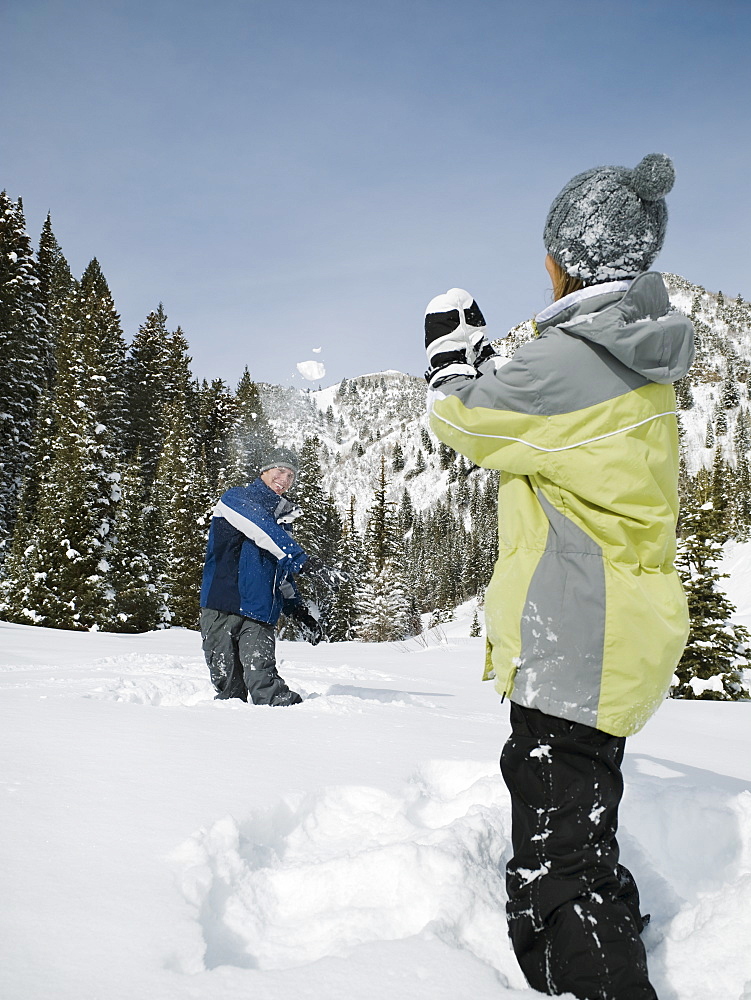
(586, 618)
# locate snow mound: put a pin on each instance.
(153, 679)
(347, 866)
(161, 691)
(694, 852)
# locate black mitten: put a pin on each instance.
(454, 336)
(310, 627)
(329, 576)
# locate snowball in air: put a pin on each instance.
(311, 370)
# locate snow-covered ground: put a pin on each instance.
(156, 843)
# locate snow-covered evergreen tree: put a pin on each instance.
(150, 381)
(24, 358)
(103, 335)
(54, 287)
(683, 393)
(250, 436)
(182, 496)
(730, 397)
(138, 601)
(216, 407)
(319, 530)
(383, 596)
(312, 498)
(717, 648)
(475, 629)
(63, 581)
(343, 613)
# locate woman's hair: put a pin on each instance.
(563, 283)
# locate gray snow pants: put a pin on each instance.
(573, 910)
(240, 653)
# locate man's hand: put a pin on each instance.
(454, 336)
(329, 576)
(310, 627)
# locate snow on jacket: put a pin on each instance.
(251, 555)
(586, 616)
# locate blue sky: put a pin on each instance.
(286, 175)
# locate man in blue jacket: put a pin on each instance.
(248, 582)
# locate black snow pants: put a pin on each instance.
(240, 653)
(573, 910)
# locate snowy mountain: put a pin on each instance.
(358, 421)
(716, 409)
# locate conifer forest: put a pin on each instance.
(112, 456)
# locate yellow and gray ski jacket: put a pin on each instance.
(586, 617)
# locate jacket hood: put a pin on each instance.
(633, 321)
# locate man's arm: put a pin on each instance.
(260, 527)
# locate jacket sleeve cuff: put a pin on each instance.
(436, 376)
(294, 563)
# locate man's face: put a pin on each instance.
(278, 479)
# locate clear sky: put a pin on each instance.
(285, 175)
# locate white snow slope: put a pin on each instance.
(158, 844)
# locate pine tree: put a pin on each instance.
(56, 285)
(103, 335)
(475, 628)
(138, 603)
(720, 421)
(64, 579)
(406, 515)
(445, 455)
(383, 598)
(310, 495)
(251, 437)
(419, 465)
(742, 437)
(150, 381)
(717, 648)
(24, 359)
(182, 497)
(217, 416)
(709, 440)
(484, 533)
(741, 522)
(319, 530)
(55, 282)
(343, 613)
(730, 397)
(683, 394)
(721, 498)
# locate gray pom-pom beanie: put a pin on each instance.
(280, 458)
(610, 222)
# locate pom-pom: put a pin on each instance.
(653, 178)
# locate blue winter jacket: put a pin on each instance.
(251, 556)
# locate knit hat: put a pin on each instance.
(610, 222)
(280, 458)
